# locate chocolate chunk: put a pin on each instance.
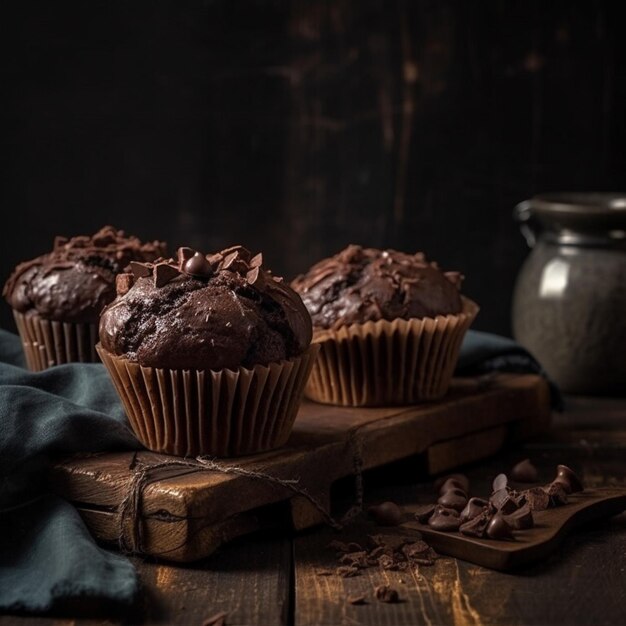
(498, 528)
(569, 479)
(537, 498)
(500, 482)
(197, 265)
(123, 283)
(140, 270)
(423, 512)
(524, 472)
(163, 273)
(386, 514)
(385, 593)
(556, 493)
(520, 519)
(503, 501)
(473, 508)
(453, 499)
(477, 526)
(357, 600)
(459, 478)
(444, 519)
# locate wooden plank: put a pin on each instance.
(248, 580)
(187, 514)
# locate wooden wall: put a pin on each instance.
(297, 127)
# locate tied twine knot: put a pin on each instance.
(130, 527)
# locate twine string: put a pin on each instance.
(130, 528)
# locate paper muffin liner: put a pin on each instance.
(224, 413)
(48, 342)
(388, 362)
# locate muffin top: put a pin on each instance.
(75, 281)
(365, 284)
(205, 312)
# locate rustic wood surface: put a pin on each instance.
(187, 514)
(261, 581)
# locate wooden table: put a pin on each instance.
(273, 578)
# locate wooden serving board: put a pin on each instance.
(185, 514)
(551, 527)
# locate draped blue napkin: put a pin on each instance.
(47, 556)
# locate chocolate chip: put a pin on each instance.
(423, 512)
(386, 514)
(385, 593)
(500, 482)
(140, 270)
(460, 478)
(520, 519)
(163, 273)
(524, 472)
(444, 519)
(498, 528)
(452, 483)
(453, 499)
(569, 479)
(197, 265)
(473, 508)
(357, 600)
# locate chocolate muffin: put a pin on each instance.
(365, 284)
(216, 312)
(233, 340)
(57, 298)
(389, 326)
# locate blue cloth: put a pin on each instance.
(47, 556)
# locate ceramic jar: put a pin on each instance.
(569, 304)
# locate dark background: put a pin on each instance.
(298, 127)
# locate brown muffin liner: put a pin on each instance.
(47, 342)
(223, 413)
(388, 362)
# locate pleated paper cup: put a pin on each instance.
(387, 363)
(48, 342)
(225, 413)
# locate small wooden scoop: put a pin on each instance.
(551, 527)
